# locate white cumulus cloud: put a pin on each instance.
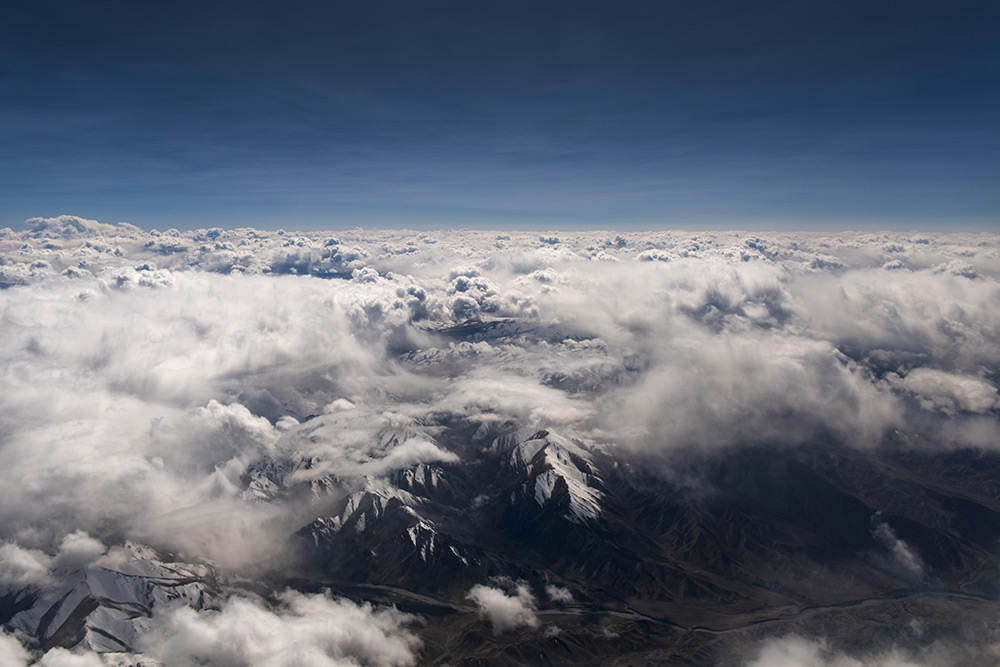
(313, 630)
(797, 651)
(60, 657)
(20, 567)
(951, 392)
(505, 611)
(77, 550)
(12, 652)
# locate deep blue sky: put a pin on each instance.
(485, 113)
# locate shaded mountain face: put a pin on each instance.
(106, 608)
(462, 448)
(758, 540)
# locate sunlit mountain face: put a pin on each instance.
(243, 447)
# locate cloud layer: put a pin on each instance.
(157, 384)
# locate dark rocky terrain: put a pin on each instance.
(737, 545)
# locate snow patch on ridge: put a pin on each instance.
(107, 608)
(364, 508)
(551, 459)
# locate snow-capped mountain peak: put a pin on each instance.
(366, 507)
(105, 607)
(553, 463)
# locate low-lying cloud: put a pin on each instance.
(506, 611)
(298, 630)
(902, 557)
(12, 652)
(798, 651)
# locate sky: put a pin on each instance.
(526, 115)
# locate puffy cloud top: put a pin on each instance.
(506, 611)
(312, 630)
